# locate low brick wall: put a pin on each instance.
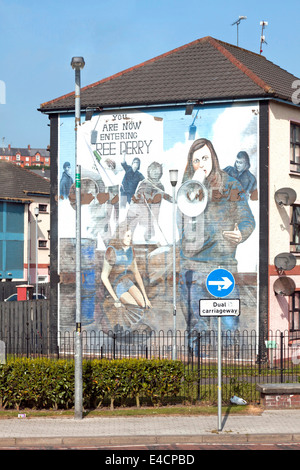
(280, 396)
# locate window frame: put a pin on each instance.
(294, 245)
(42, 244)
(294, 144)
(293, 310)
(12, 234)
(43, 208)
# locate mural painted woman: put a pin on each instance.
(209, 240)
(120, 274)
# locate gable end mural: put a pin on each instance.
(127, 216)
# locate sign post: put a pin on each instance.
(219, 283)
(219, 375)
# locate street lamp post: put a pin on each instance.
(36, 213)
(173, 180)
(77, 64)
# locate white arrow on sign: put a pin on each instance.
(225, 284)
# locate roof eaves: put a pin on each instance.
(16, 199)
(47, 104)
(163, 102)
(36, 193)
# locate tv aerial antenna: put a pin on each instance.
(237, 22)
(263, 24)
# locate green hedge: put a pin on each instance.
(43, 383)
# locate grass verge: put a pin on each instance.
(132, 411)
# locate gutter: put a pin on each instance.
(157, 105)
(13, 199)
(38, 193)
(172, 105)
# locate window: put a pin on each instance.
(37, 157)
(295, 229)
(11, 239)
(42, 207)
(295, 148)
(295, 315)
(42, 243)
(18, 157)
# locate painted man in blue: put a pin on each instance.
(209, 240)
(66, 181)
(130, 181)
(241, 172)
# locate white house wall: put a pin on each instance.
(280, 176)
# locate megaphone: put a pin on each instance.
(192, 198)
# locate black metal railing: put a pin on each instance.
(272, 351)
(247, 358)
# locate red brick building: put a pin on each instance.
(26, 157)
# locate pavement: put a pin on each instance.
(271, 426)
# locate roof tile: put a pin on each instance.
(18, 183)
(205, 69)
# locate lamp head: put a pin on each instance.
(173, 177)
(77, 63)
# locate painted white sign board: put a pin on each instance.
(219, 308)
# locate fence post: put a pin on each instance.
(27, 339)
(281, 357)
(198, 347)
(2, 352)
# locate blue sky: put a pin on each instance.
(39, 38)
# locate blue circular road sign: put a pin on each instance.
(220, 283)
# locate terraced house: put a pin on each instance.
(25, 157)
(228, 121)
(24, 224)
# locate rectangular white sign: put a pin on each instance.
(219, 307)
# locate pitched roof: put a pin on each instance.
(20, 184)
(25, 152)
(205, 69)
